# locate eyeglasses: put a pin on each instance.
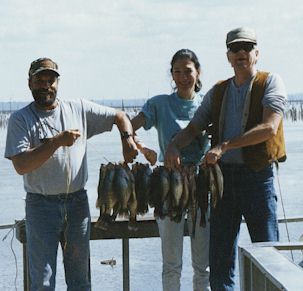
(237, 46)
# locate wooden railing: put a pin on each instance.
(262, 267)
(147, 228)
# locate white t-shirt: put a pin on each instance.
(66, 170)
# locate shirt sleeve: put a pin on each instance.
(275, 96)
(203, 114)
(149, 110)
(99, 118)
(17, 138)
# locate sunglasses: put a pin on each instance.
(237, 46)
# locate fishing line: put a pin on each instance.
(106, 159)
(15, 258)
(12, 229)
(283, 208)
(68, 183)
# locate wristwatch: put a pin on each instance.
(125, 134)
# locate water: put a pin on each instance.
(145, 254)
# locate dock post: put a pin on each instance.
(125, 255)
(26, 279)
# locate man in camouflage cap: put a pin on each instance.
(40, 69)
(47, 143)
(42, 64)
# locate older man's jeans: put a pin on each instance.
(246, 193)
(171, 234)
(48, 220)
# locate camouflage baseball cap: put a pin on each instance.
(42, 64)
(241, 34)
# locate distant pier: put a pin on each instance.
(4, 119)
(294, 111)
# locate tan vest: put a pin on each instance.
(255, 156)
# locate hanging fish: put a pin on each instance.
(132, 202)
(164, 183)
(116, 195)
(202, 192)
(121, 188)
(192, 203)
(102, 173)
(215, 184)
(176, 191)
(160, 187)
(184, 200)
(142, 174)
(106, 196)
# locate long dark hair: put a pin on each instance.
(188, 54)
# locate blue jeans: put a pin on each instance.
(246, 193)
(48, 220)
(171, 234)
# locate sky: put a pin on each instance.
(121, 49)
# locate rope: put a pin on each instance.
(283, 208)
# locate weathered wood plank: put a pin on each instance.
(267, 265)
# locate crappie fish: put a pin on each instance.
(132, 202)
(184, 201)
(164, 183)
(176, 191)
(106, 196)
(116, 195)
(142, 174)
(185, 193)
(122, 190)
(215, 184)
(192, 203)
(155, 187)
(160, 187)
(102, 173)
(202, 192)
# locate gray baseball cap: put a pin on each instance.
(241, 34)
(42, 64)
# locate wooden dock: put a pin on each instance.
(261, 266)
(147, 228)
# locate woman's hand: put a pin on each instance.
(149, 154)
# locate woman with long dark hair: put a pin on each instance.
(170, 113)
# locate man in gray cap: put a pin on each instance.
(245, 113)
(46, 141)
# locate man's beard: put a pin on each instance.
(44, 98)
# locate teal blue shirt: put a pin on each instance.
(169, 114)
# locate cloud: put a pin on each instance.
(121, 48)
